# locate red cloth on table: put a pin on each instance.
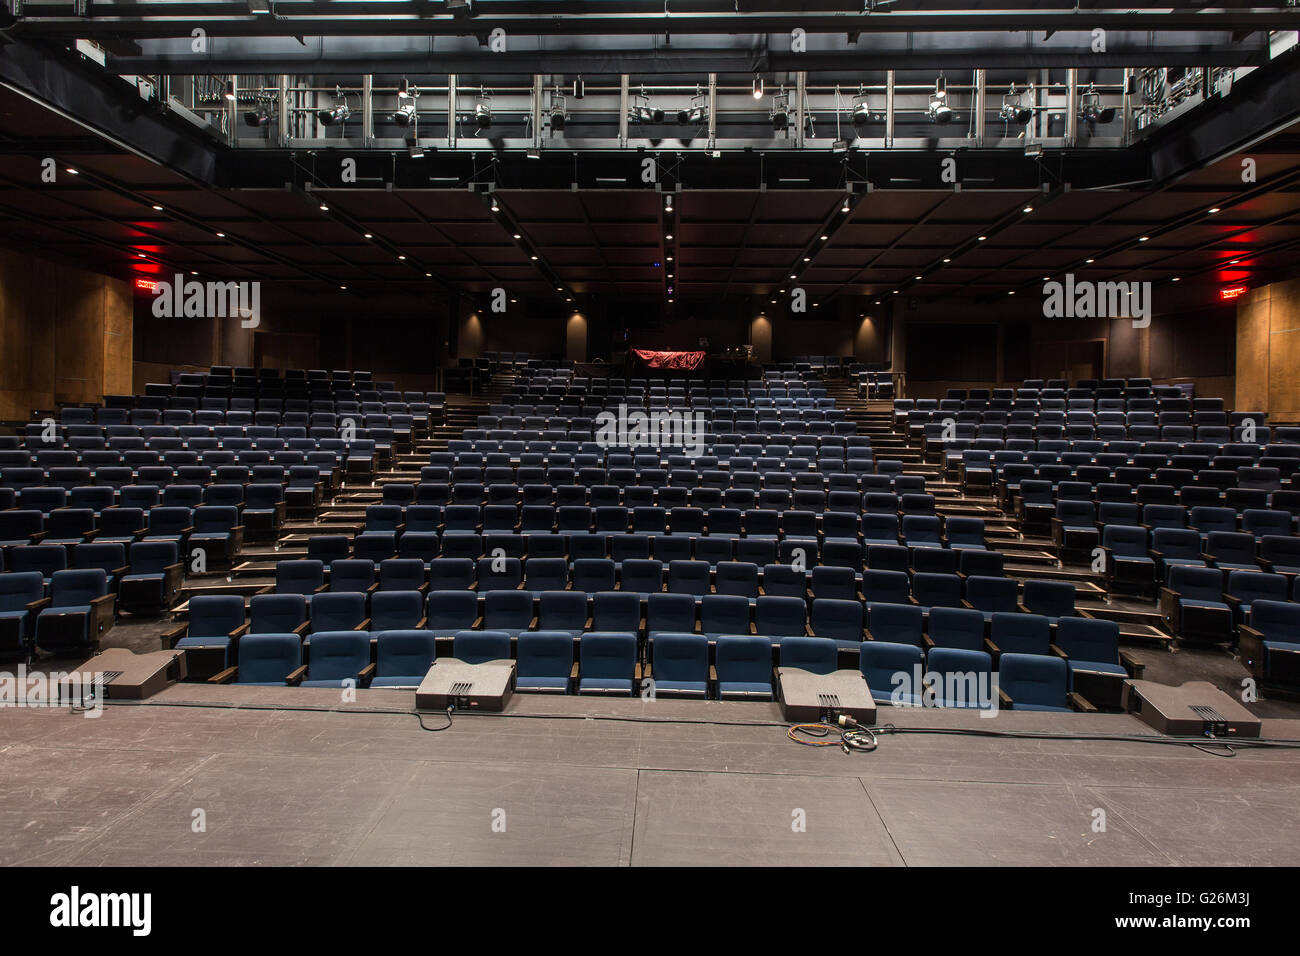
(688, 361)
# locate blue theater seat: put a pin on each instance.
(402, 657)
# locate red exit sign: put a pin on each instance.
(1232, 292)
(147, 285)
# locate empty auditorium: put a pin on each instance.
(649, 433)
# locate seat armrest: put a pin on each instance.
(169, 638)
(363, 626)
(1004, 700)
(224, 677)
(301, 629)
(1058, 652)
(295, 677)
(1131, 664)
(1080, 703)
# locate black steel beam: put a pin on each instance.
(85, 95)
(308, 18)
(651, 61)
(1261, 104)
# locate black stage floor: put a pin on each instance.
(579, 781)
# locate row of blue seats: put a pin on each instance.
(1035, 502)
(1131, 563)
(218, 529)
(587, 445)
(429, 546)
(457, 580)
(606, 663)
(840, 496)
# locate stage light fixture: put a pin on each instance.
(938, 110)
(559, 112)
(257, 117)
(405, 113)
(579, 88)
(698, 112)
(1014, 109)
(230, 90)
(758, 87)
(641, 112)
(860, 113)
(1092, 112)
(780, 112)
(483, 112)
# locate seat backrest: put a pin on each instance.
(1016, 633)
(1089, 639)
(276, 613)
(957, 627)
(337, 611)
(404, 653)
(607, 655)
(681, 657)
(544, 654)
(268, 658)
(814, 654)
(1037, 679)
(77, 586)
(892, 669)
(743, 660)
(476, 647)
(338, 655)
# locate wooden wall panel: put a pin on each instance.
(64, 335)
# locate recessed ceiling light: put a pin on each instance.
(669, 236)
(1143, 238)
(534, 258)
(517, 236)
(1213, 210)
(1175, 279)
(403, 258)
(73, 171)
(324, 208)
(370, 235)
(916, 277)
(774, 301)
(982, 238)
(807, 259)
(139, 255)
(669, 258)
(193, 273)
(428, 275)
(824, 238)
(1012, 292)
(1047, 278)
(947, 260)
(158, 208)
(1089, 261)
(895, 292)
(221, 235)
(1028, 209)
(793, 276)
(342, 287)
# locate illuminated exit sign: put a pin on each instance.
(148, 285)
(1230, 292)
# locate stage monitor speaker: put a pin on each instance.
(806, 696)
(1194, 709)
(450, 682)
(131, 676)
